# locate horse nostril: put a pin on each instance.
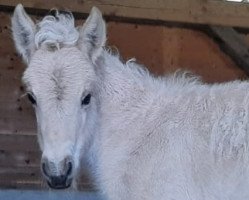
(44, 169)
(70, 168)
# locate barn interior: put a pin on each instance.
(207, 37)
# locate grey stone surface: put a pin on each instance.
(47, 195)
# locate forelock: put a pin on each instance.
(56, 30)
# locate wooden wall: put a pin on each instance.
(160, 48)
(212, 12)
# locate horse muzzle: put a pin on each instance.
(58, 176)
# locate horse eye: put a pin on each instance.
(31, 98)
(86, 100)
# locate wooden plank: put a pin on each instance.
(31, 177)
(212, 12)
(12, 123)
(13, 172)
(17, 142)
(19, 158)
(22, 183)
(233, 44)
(25, 177)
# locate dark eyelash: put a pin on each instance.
(31, 98)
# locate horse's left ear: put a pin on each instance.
(93, 34)
(23, 30)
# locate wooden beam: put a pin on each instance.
(233, 44)
(212, 12)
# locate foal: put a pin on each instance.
(143, 137)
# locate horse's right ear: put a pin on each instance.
(23, 30)
(93, 34)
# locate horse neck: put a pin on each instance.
(116, 80)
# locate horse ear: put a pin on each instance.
(93, 34)
(23, 30)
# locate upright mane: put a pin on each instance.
(56, 30)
